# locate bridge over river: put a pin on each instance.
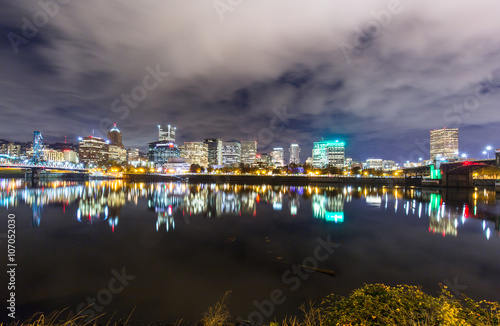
(453, 174)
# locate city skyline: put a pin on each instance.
(309, 79)
(114, 137)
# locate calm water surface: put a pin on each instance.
(181, 246)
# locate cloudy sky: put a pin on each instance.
(377, 74)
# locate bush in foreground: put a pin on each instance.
(372, 304)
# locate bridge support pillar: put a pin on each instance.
(457, 180)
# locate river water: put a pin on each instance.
(171, 250)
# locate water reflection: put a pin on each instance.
(102, 201)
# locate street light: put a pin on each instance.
(488, 149)
(484, 153)
(464, 155)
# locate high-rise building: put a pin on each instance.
(278, 155)
(166, 134)
(231, 153)
(161, 151)
(93, 150)
(248, 151)
(117, 154)
(115, 137)
(214, 151)
(328, 153)
(294, 153)
(444, 143)
(132, 154)
(195, 153)
(264, 158)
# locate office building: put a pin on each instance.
(195, 153)
(231, 153)
(53, 155)
(248, 151)
(115, 137)
(388, 165)
(166, 134)
(278, 155)
(159, 152)
(444, 144)
(117, 154)
(132, 154)
(93, 151)
(264, 158)
(328, 153)
(374, 163)
(214, 151)
(176, 165)
(294, 153)
(70, 156)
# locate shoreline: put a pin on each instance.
(257, 179)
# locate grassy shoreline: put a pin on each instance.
(372, 304)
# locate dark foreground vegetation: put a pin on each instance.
(372, 304)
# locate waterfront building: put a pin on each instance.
(294, 153)
(214, 151)
(248, 151)
(176, 165)
(159, 152)
(278, 156)
(444, 144)
(11, 148)
(166, 134)
(388, 165)
(328, 153)
(374, 163)
(93, 151)
(53, 155)
(309, 161)
(117, 154)
(195, 153)
(132, 154)
(348, 162)
(115, 137)
(231, 153)
(70, 156)
(264, 158)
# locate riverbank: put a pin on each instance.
(372, 304)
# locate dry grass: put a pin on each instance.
(55, 319)
(218, 314)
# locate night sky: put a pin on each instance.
(376, 74)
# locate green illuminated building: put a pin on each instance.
(328, 153)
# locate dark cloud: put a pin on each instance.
(395, 83)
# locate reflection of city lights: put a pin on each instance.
(98, 201)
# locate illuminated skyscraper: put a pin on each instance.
(161, 151)
(167, 135)
(214, 151)
(93, 150)
(444, 143)
(278, 155)
(328, 153)
(195, 153)
(115, 137)
(231, 153)
(248, 151)
(294, 153)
